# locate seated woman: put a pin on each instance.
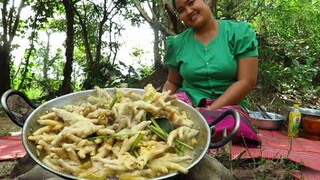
(213, 65)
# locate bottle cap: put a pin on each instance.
(295, 105)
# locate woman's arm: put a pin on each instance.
(246, 81)
(173, 82)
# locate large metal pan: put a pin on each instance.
(203, 138)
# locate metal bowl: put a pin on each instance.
(270, 124)
(306, 111)
(31, 125)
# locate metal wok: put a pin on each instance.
(203, 138)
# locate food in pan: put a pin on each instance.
(127, 135)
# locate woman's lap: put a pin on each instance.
(246, 131)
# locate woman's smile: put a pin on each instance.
(194, 17)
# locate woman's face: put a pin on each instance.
(193, 13)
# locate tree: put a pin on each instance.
(162, 20)
(12, 25)
(67, 71)
(10, 20)
(287, 32)
(33, 37)
(95, 21)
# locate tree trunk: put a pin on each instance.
(156, 49)
(46, 58)
(9, 28)
(214, 5)
(4, 70)
(67, 71)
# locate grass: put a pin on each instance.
(6, 127)
(257, 168)
(6, 167)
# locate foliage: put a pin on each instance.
(138, 73)
(287, 31)
(288, 48)
(145, 71)
(34, 93)
(291, 166)
(239, 10)
(298, 78)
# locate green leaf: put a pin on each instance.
(164, 124)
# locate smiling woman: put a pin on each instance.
(213, 64)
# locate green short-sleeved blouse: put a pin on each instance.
(208, 70)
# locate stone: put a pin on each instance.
(208, 168)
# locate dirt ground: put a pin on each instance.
(6, 126)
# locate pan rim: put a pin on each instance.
(26, 130)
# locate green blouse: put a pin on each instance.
(208, 70)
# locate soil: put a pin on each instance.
(6, 126)
(248, 169)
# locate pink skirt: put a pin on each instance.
(247, 133)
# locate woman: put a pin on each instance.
(213, 63)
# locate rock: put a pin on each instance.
(24, 165)
(39, 173)
(209, 168)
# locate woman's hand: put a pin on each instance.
(173, 82)
(203, 108)
(212, 106)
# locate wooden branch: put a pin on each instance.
(154, 16)
(152, 22)
(84, 35)
(173, 18)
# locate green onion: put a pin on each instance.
(135, 153)
(136, 142)
(154, 122)
(159, 132)
(112, 136)
(179, 149)
(148, 97)
(183, 144)
(114, 100)
(144, 117)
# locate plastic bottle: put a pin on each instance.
(294, 121)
